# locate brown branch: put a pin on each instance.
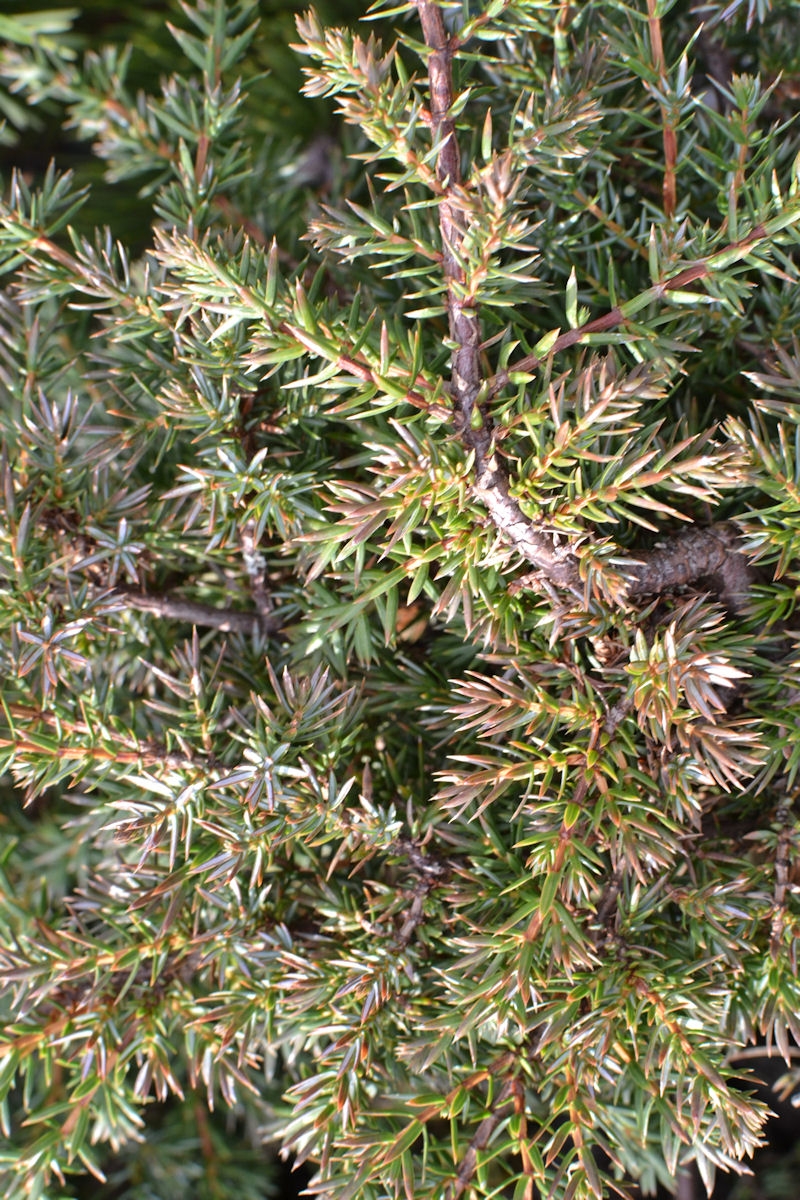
(503, 1107)
(491, 483)
(700, 552)
(255, 564)
(557, 563)
(465, 333)
(431, 874)
(783, 864)
(227, 620)
(608, 904)
(669, 136)
(697, 553)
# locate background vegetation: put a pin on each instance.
(399, 558)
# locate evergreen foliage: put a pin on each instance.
(399, 567)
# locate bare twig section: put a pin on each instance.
(255, 564)
(430, 874)
(463, 320)
(700, 552)
(783, 863)
(505, 1104)
(227, 620)
(557, 564)
(696, 553)
(606, 909)
(670, 139)
(617, 714)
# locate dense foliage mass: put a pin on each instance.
(400, 562)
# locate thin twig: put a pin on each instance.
(783, 864)
(227, 620)
(758, 1052)
(503, 1107)
(608, 904)
(255, 564)
(119, 749)
(621, 314)
(669, 136)
(430, 874)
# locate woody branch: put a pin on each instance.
(699, 552)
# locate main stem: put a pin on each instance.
(695, 554)
(465, 333)
(466, 382)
